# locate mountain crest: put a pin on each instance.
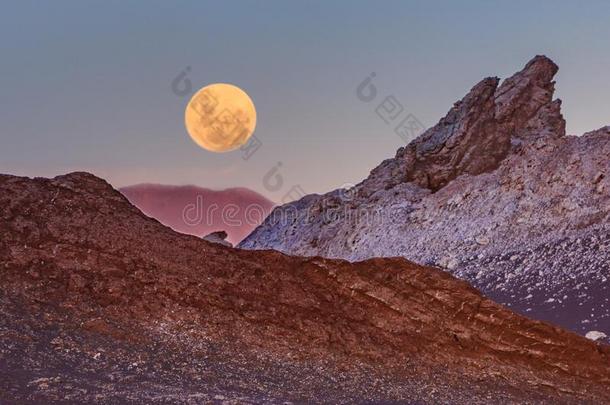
(495, 193)
(480, 130)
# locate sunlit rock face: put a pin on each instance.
(101, 304)
(495, 193)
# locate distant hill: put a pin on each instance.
(198, 211)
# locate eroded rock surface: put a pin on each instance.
(495, 193)
(477, 133)
(100, 303)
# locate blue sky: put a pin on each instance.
(86, 85)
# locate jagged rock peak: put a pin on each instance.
(540, 69)
(524, 101)
(480, 130)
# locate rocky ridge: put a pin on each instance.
(100, 303)
(495, 179)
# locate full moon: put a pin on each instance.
(220, 117)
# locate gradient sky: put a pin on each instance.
(86, 85)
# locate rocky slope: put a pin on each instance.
(199, 211)
(495, 193)
(101, 304)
